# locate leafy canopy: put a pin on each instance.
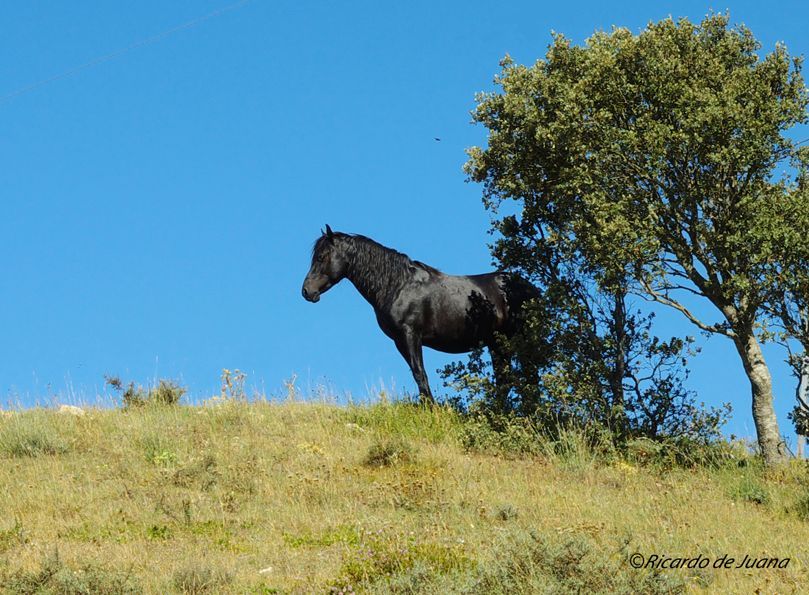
(661, 157)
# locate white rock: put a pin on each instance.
(71, 410)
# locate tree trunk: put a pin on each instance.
(802, 395)
(616, 379)
(770, 443)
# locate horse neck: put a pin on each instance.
(377, 272)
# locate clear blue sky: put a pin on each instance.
(158, 208)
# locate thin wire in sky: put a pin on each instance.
(119, 52)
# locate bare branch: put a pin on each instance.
(667, 301)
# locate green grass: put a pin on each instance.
(233, 497)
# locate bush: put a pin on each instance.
(167, 392)
(501, 435)
(668, 453)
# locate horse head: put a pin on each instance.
(328, 266)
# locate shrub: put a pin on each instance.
(503, 435)
(167, 392)
(685, 452)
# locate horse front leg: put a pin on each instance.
(409, 345)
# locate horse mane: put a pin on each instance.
(375, 269)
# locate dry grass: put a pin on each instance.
(306, 498)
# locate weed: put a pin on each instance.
(684, 452)
(508, 436)
(233, 385)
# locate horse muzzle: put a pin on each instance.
(313, 297)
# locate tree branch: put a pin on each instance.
(667, 301)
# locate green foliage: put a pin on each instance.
(533, 563)
(505, 436)
(390, 451)
(685, 452)
(647, 164)
(54, 577)
(167, 392)
(573, 447)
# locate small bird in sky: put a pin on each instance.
(437, 139)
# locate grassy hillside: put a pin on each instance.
(308, 498)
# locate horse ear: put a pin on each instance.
(329, 232)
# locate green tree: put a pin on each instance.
(585, 357)
(661, 158)
(788, 305)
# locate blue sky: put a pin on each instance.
(158, 208)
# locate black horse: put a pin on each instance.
(417, 305)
